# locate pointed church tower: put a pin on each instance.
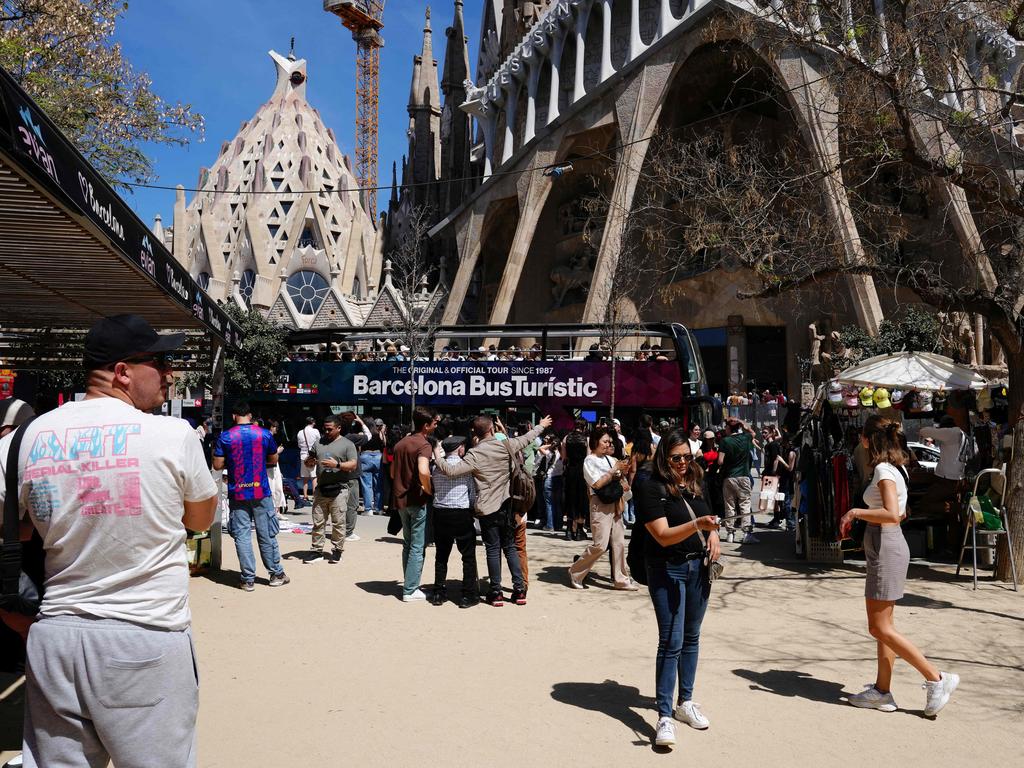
(456, 125)
(425, 115)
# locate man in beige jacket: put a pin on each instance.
(489, 463)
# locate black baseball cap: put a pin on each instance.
(452, 443)
(124, 336)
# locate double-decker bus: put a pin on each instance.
(513, 371)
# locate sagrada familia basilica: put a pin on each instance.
(575, 84)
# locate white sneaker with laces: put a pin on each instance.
(352, 537)
(751, 539)
(938, 692)
(666, 733)
(731, 538)
(415, 597)
(689, 712)
(872, 698)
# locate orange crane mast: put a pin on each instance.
(363, 19)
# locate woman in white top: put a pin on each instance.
(888, 558)
(601, 471)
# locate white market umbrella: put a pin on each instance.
(912, 370)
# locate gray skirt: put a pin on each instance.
(888, 558)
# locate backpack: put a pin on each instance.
(636, 553)
(21, 565)
(521, 485)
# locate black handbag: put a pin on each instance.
(609, 493)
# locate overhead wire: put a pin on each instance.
(512, 172)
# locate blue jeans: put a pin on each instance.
(629, 514)
(499, 539)
(369, 480)
(553, 501)
(680, 596)
(414, 530)
(243, 514)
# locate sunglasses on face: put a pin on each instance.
(160, 360)
(679, 458)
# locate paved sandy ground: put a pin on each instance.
(334, 669)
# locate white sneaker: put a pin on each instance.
(415, 597)
(352, 537)
(939, 692)
(666, 734)
(688, 712)
(751, 539)
(872, 698)
(731, 538)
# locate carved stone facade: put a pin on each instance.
(276, 226)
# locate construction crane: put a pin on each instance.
(363, 18)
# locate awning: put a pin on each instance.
(70, 249)
(912, 370)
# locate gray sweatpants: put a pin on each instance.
(99, 690)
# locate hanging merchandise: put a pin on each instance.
(835, 393)
(881, 398)
(850, 398)
(867, 397)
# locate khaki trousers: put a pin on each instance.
(335, 508)
(608, 530)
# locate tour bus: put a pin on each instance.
(515, 372)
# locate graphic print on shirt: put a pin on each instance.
(104, 479)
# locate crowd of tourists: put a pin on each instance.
(105, 491)
(397, 352)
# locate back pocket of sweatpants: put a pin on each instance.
(132, 683)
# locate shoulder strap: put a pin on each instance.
(10, 559)
(693, 517)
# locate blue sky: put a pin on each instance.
(212, 54)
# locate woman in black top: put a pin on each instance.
(676, 576)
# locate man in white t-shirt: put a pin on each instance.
(955, 446)
(111, 489)
(308, 436)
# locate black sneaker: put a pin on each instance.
(495, 599)
(316, 557)
(519, 598)
(438, 597)
(335, 557)
(279, 579)
(468, 601)
(247, 586)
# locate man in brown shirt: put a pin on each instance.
(489, 464)
(410, 478)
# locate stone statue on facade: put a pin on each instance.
(817, 368)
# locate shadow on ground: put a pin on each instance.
(793, 683)
(613, 699)
(384, 588)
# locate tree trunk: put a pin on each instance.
(1014, 491)
(611, 410)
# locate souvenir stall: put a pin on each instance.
(915, 388)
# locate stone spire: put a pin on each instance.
(424, 90)
(424, 117)
(456, 125)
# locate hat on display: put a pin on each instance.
(924, 402)
(867, 397)
(896, 396)
(939, 400)
(850, 398)
(452, 443)
(881, 398)
(835, 393)
(14, 412)
(112, 339)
